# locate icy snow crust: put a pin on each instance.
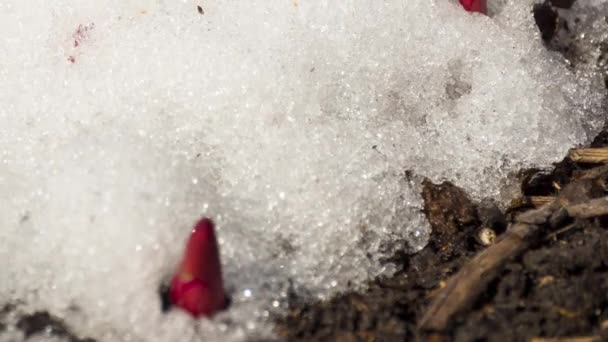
(290, 123)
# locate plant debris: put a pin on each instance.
(592, 155)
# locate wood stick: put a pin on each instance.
(539, 201)
(567, 339)
(592, 208)
(589, 155)
(535, 201)
(561, 231)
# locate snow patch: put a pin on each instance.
(301, 128)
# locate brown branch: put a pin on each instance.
(539, 201)
(567, 339)
(561, 231)
(593, 208)
(535, 201)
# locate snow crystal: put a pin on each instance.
(302, 128)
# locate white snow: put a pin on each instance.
(291, 123)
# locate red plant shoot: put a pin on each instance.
(197, 286)
(475, 6)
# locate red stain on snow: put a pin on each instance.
(82, 33)
(79, 36)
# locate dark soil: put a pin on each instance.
(40, 323)
(43, 323)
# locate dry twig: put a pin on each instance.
(539, 201)
(567, 339)
(593, 208)
(589, 155)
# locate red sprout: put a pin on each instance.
(475, 6)
(197, 286)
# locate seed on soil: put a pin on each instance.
(546, 280)
(486, 236)
(491, 216)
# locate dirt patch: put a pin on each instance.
(42, 322)
(450, 212)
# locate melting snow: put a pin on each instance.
(301, 127)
